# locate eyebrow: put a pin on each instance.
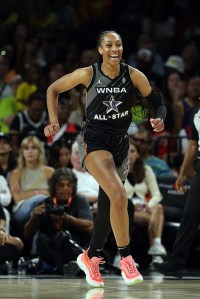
(110, 41)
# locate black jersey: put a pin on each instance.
(109, 101)
(25, 126)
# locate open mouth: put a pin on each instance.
(114, 57)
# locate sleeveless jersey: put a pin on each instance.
(109, 101)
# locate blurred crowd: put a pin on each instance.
(40, 41)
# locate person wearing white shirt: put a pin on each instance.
(5, 200)
(142, 188)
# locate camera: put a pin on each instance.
(59, 211)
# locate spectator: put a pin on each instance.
(186, 105)
(30, 122)
(7, 158)
(63, 219)
(60, 154)
(191, 58)
(10, 246)
(68, 130)
(5, 89)
(142, 188)
(56, 70)
(5, 200)
(8, 105)
(29, 181)
(87, 186)
(175, 62)
(76, 116)
(174, 89)
(145, 42)
(27, 86)
(160, 167)
(145, 63)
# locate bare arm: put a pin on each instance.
(140, 81)
(190, 156)
(67, 82)
(15, 188)
(79, 224)
(4, 237)
(32, 224)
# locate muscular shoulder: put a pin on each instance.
(85, 74)
(140, 81)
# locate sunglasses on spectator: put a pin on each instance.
(142, 140)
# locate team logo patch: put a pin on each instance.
(112, 105)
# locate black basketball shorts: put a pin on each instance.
(117, 145)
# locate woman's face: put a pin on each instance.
(134, 155)
(4, 146)
(64, 157)
(31, 152)
(111, 48)
(193, 87)
(173, 82)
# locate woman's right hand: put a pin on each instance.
(51, 129)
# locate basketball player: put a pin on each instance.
(104, 144)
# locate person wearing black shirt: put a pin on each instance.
(64, 219)
(176, 261)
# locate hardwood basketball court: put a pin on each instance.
(155, 286)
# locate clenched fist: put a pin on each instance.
(51, 129)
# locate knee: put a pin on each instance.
(119, 199)
(18, 243)
(159, 209)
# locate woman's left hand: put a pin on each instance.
(157, 124)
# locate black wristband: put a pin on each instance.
(161, 112)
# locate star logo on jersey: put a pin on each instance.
(123, 80)
(112, 105)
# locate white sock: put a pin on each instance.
(157, 241)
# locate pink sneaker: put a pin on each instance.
(129, 271)
(91, 269)
(96, 293)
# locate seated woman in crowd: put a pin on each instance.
(7, 159)
(141, 184)
(29, 181)
(5, 200)
(59, 154)
(10, 246)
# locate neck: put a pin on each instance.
(31, 165)
(4, 158)
(110, 71)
